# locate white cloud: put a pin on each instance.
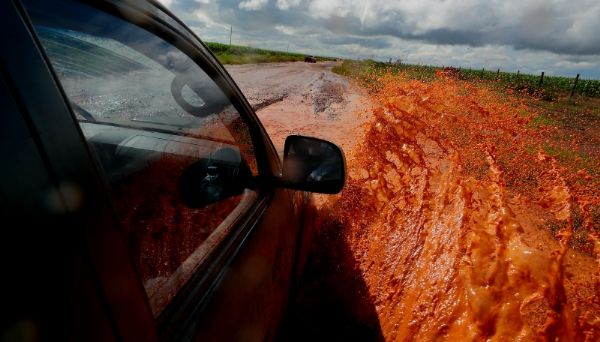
(253, 5)
(329, 8)
(287, 4)
(577, 65)
(167, 3)
(205, 18)
(554, 25)
(556, 36)
(286, 29)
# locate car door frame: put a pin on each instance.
(64, 143)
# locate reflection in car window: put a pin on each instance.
(177, 154)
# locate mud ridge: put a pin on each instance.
(268, 102)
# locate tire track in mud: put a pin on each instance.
(445, 255)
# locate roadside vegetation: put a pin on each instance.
(236, 54)
(552, 87)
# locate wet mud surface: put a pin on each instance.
(455, 224)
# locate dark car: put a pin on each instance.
(310, 59)
(141, 197)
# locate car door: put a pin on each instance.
(55, 222)
(204, 246)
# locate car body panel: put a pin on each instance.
(249, 303)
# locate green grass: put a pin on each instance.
(542, 120)
(552, 88)
(569, 157)
(236, 54)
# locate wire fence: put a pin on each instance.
(546, 86)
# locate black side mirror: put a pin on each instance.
(314, 165)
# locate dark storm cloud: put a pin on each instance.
(561, 36)
(567, 27)
(381, 43)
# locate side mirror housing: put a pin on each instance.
(314, 165)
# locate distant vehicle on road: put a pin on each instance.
(310, 59)
(141, 197)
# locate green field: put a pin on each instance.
(236, 54)
(552, 88)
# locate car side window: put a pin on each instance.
(178, 156)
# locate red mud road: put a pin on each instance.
(303, 98)
(454, 225)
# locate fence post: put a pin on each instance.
(542, 79)
(574, 85)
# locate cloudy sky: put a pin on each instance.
(560, 37)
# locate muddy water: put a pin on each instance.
(454, 225)
(446, 248)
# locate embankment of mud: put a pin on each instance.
(445, 214)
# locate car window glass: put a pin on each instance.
(177, 154)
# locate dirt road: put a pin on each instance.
(455, 222)
(303, 98)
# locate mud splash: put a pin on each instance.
(446, 212)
